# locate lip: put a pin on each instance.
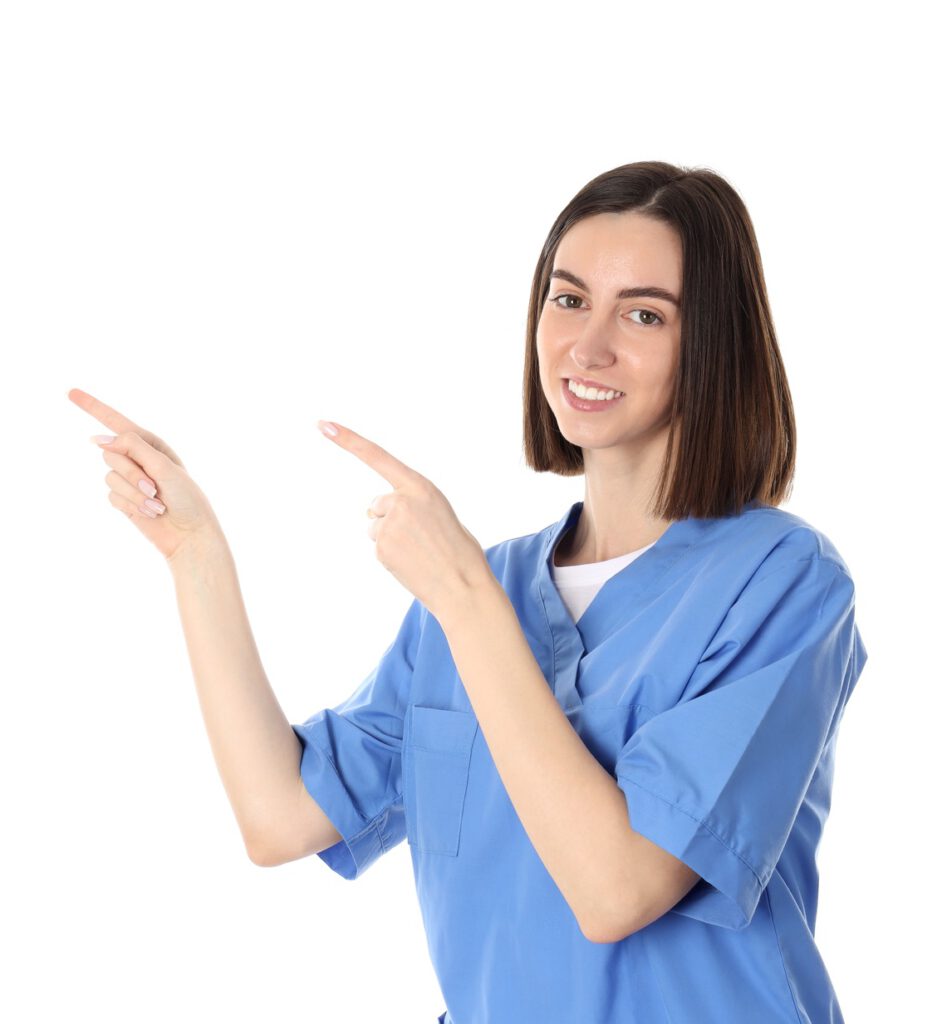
(584, 405)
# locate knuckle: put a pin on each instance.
(127, 439)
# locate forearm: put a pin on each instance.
(256, 750)
(572, 809)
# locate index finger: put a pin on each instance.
(373, 455)
(105, 414)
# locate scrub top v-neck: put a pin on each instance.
(709, 677)
(579, 584)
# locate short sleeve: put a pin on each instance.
(351, 757)
(718, 779)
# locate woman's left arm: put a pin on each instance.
(576, 816)
(614, 880)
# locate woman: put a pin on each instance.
(609, 743)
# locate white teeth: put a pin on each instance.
(592, 394)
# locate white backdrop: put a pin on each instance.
(229, 220)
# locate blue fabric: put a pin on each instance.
(709, 676)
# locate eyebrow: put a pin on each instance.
(648, 291)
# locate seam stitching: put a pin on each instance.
(703, 824)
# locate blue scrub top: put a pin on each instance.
(709, 677)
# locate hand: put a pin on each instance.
(418, 538)
(137, 454)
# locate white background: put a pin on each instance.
(231, 220)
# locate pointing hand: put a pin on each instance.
(145, 469)
(417, 535)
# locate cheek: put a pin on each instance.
(545, 346)
(662, 366)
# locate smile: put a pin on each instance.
(586, 404)
(592, 391)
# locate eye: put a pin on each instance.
(653, 322)
(555, 300)
(647, 312)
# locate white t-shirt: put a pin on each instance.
(578, 584)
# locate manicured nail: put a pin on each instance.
(147, 511)
(103, 438)
(155, 506)
(328, 428)
(147, 487)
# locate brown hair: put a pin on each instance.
(732, 436)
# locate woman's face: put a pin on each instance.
(588, 330)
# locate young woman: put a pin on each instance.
(609, 743)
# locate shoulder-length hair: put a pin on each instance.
(732, 436)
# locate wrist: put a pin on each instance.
(478, 592)
(198, 549)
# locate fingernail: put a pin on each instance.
(155, 506)
(328, 428)
(103, 438)
(147, 487)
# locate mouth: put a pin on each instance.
(586, 404)
(596, 385)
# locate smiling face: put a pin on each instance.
(598, 324)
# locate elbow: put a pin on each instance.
(593, 934)
(262, 854)
(616, 909)
(258, 856)
(611, 921)
(607, 932)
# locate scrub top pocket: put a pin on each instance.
(436, 770)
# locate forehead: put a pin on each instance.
(622, 249)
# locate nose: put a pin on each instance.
(595, 344)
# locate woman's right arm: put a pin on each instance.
(253, 743)
(257, 752)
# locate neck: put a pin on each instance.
(615, 517)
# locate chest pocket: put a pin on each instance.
(436, 771)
